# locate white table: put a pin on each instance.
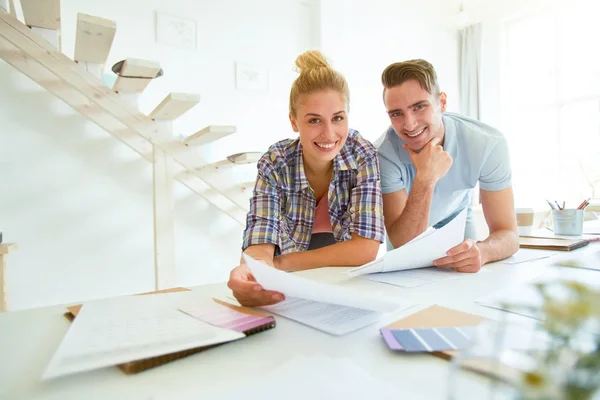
(29, 338)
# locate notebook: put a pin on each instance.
(530, 242)
(440, 317)
(232, 317)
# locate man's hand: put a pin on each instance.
(466, 257)
(432, 162)
(249, 292)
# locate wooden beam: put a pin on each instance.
(85, 93)
(174, 105)
(93, 39)
(164, 243)
(209, 134)
(3, 285)
(4, 250)
(42, 13)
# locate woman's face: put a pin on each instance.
(322, 123)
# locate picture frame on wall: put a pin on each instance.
(251, 78)
(176, 31)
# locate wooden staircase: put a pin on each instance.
(33, 47)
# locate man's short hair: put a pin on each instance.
(419, 70)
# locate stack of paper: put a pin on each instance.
(115, 331)
(420, 252)
(324, 307)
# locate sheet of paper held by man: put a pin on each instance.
(420, 252)
(328, 308)
(114, 331)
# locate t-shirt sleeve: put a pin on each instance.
(392, 178)
(496, 173)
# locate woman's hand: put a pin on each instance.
(249, 292)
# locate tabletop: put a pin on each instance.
(29, 338)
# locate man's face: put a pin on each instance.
(415, 114)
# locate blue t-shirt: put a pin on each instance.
(479, 153)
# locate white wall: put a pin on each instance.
(363, 37)
(79, 203)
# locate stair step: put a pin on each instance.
(134, 75)
(94, 38)
(41, 13)
(234, 159)
(209, 134)
(174, 105)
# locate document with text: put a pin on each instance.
(328, 308)
(420, 252)
(292, 285)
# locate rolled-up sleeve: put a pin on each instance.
(366, 204)
(263, 219)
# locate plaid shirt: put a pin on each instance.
(282, 207)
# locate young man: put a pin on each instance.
(431, 161)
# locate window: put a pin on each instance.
(551, 104)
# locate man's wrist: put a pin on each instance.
(483, 253)
(425, 182)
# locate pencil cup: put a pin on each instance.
(568, 222)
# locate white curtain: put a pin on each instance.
(469, 73)
(470, 65)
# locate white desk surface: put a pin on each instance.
(29, 338)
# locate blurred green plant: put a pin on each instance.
(569, 367)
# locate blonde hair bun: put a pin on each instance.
(311, 59)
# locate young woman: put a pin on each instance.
(317, 199)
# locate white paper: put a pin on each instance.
(294, 286)
(413, 278)
(525, 255)
(591, 227)
(420, 252)
(326, 317)
(525, 299)
(588, 261)
(115, 331)
(316, 378)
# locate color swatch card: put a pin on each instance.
(426, 340)
(229, 316)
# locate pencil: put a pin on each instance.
(583, 204)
